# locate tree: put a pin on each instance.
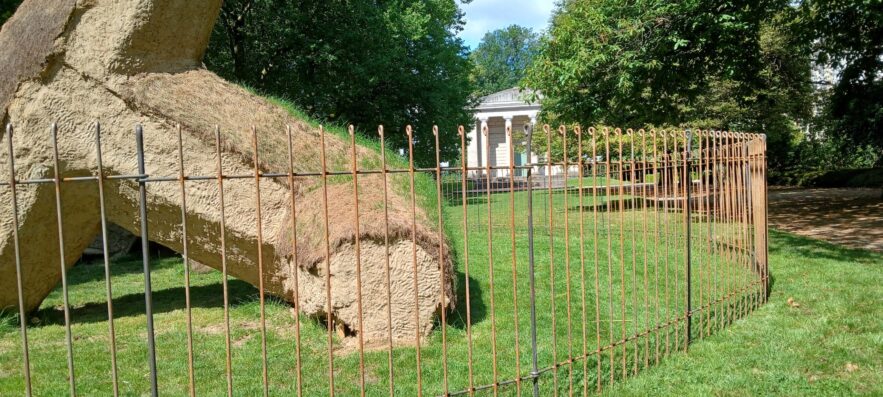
(362, 62)
(641, 62)
(777, 101)
(502, 58)
(708, 63)
(848, 36)
(7, 8)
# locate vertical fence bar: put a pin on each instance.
(551, 225)
(607, 202)
(443, 268)
(260, 253)
(737, 212)
(224, 277)
(730, 202)
(463, 191)
(749, 249)
(582, 257)
(677, 182)
(711, 247)
(386, 259)
(106, 256)
(595, 187)
(713, 228)
(514, 257)
(566, 190)
(294, 264)
(632, 232)
(647, 320)
(666, 185)
(145, 259)
(328, 321)
(742, 249)
(766, 241)
(534, 371)
(62, 262)
(751, 254)
(356, 227)
(186, 255)
(490, 259)
(410, 133)
(621, 206)
(22, 317)
(743, 264)
(688, 147)
(656, 185)
(702, 261)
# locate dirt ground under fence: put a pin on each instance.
(850, 217)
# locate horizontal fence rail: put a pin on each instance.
(603, 253)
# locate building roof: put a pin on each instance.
(508, 99)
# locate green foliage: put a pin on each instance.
(848, 35)
(603, 142)
(502, 58)
(840, 178)
(735, 65)
(362, 62)
(7, 8)
(642, 62)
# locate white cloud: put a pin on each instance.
(486, 15)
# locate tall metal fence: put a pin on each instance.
(614, 251)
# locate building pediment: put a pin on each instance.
(507, 99)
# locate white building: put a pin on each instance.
(497, 111)
(509, 108)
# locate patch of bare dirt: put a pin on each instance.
(849, 217)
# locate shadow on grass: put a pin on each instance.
(170, 299)
(477, 310)
(164, 301)
(810, 248)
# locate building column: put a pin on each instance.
(532, 157)
(483, 147)
(509, 146)
(474, 149)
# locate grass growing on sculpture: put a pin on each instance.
(424, 185)
(90, 327)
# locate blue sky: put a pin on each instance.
(486, 15)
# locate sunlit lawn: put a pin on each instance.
(779, 349)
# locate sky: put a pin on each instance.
(486, 15)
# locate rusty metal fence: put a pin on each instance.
(613, 251)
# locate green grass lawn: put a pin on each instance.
(831, 344)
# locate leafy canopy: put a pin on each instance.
(700, 63)
(848, 36)
(644, 61)
(502, 58)
(363, 62)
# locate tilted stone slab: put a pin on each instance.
(129, 62)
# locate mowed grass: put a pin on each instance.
(831, 344)
(827, 341)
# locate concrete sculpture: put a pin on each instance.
(125, 62)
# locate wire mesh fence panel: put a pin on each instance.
(564, 263)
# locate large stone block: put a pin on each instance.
(128, 62)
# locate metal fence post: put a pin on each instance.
(22, 314)
(688, 148)
(534, 371)
(145, 258)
